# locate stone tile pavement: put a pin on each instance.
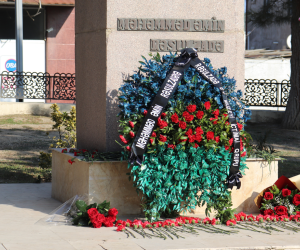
(22, 205)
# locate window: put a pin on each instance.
(32, 30)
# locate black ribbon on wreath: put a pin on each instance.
(188, 57)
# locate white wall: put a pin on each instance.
(265, 68)
(34, 59)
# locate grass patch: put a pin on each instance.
(23, 172)
(21, 119)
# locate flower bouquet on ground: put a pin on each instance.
(281, 199)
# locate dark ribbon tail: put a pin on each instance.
(234, 180)
(136, 159)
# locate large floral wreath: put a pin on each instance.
(189, 153)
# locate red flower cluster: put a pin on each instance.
(98, 219)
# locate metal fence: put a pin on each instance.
(265, 92)
(28, 85)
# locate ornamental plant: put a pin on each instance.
(282, 202)
(190, 151)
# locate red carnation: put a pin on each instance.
(153, 134)
(243, 154)
(113, 212)
(92, 212)
(217, 139)
(216, 112)
(225, 115)
(112, 218)
(240, 126)
(162, 124)
(230, 141)
(199, 131)
(162, 138)
(185, 114)
(151, 141)
(269, 212)
(196, 145)
(145, 112)
(123, 139)
(192, 138)
(189, 132)
(163, 115)
(296, 200)
(172, 146)
(131, 134)
(107, 222)
(286, 192)
(120, 228)
(226, 147)
(227, 123)
(189, 118)
(191, 108)
(268, 196)
(182, 125)
(174, 118)
(210, 135)
(198, 138)
(280, 210)
(64, 150)
(199, 114)
(131, 124)
(207, 105)
(71, 161)
(128, 148)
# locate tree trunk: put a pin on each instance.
(291, 118)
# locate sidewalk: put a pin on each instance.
(22, 205)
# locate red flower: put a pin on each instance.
(226, 147)
(71, 161)
(210, 135)
(131, 124)
(131, 134)
(268, 196)
(113, 212)
(216, 112)
(196, 145)
(296, 200)
(64, 150)
(151, 141)
(98, 220)
(207, 105)
(128, 148)
(227, 123)
(250, 217)
(189, 118)
(92, 212)
(225, 115)
(286, 192)
(240, 126)
(189, 132)
(172, 146)
(280, 210)
(191, 108)
(269, 212)
(199, 131)
(231, 222)
(123, 139)
(112, 218)
(145, 112)
(163, 115)
(107, 222)
(182, 125)
(243, 154)
(162, 138)
(192, 138)
(217, 139)
(121, 228)
(153, 134)
(185, 114)
(230, 141)
(199, 114)
(198, 138)
(162, 124)
(174, 118)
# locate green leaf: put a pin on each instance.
(81, 205)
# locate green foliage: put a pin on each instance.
(45, 160)
(223, 207)
(65, 123)
(171, 179)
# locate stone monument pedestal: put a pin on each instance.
(108, 181)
